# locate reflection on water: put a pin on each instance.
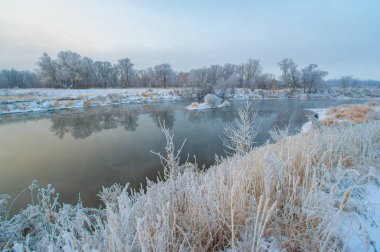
(79, 151)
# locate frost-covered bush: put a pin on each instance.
(47, 224)
(212, 100)
(226, 103)
(239, 138)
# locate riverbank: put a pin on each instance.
(31, 100)
(312, 191)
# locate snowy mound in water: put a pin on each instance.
(211, 101)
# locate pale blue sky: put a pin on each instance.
(342, 37)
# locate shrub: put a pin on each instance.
(194, 105)
(226, 103)
(212, 100)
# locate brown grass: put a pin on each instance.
(373, 104)
(194, 105)
(4, 108)
(330, 122)
(356, 113)
(55, 104)
(146, 95)
(87, 103)
(69, 103)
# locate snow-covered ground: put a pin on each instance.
(27, 100)
(204, 105)
(362, 230)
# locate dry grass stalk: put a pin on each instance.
(356, 113)
(87, 103)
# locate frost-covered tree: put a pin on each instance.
(104, 72)
(48, 69)
(126, 71)
(253, 68)
(18, 79)
(214, 73)
(183, 79)
(89, 76)
(146, 77)
(348, 81)
(312, 78)
(266, 81)
(164, 74)
(290, 76)
(228, 71)
(69, 68)
(240, 70)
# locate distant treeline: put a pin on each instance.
(349, 81)
(70, 70)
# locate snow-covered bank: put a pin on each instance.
(351, 113)
(27, 100)
(202, 106)
(328, 93)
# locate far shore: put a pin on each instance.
(32, 100)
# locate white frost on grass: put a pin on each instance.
(321, 112)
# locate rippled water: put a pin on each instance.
(79, 151)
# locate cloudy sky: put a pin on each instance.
(342, 37)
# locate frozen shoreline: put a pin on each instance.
(32, 100)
